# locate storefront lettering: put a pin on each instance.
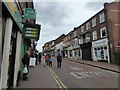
(12, 6)
(99, 42)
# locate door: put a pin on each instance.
(11, 62)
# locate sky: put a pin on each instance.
(60, 17)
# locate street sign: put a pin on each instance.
(118, 46)
(31, 31)
(29, 13)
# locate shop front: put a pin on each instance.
(11, 43)
(86, 51)
(100, 50)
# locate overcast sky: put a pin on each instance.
(57, 18)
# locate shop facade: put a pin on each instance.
(85, 50)
(11, 43)
(100, 50)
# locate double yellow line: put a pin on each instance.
(58, 81)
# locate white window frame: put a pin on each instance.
(82, 29)
(94, 33)
(102, 17)
(101, 30)
(87, 37)
(87, 26)
(75, 33)
(94, 22)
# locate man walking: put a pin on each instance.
(59, 60)
(25, 61)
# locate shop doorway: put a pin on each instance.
(11, 66)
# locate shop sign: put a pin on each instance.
(100, 42)
(29, 13)
(31, 31)
(12, 8)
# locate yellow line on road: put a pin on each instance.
(55, 78)
(107, 70)
(59, 82)
(58, 79)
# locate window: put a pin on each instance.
(94, 35)
(93, 22)
(101, 53)
(75, 42)
(102, 17)
(81, 40)
(82, 29)
(75, 33)
(103, 32)
(87, 37)
(88, 26)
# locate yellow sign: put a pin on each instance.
(11, 5)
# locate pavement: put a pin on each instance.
(102, 65)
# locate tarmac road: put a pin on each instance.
(71, 75)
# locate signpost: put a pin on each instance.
(29, 13)
(31, 31)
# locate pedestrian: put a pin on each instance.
(59, 60)
(25, 62)
(39, 58)
(36, 56)
(47, 59)
(50, 60)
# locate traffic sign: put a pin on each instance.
(118, 46)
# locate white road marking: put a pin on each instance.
(88, 74)
(76, 68)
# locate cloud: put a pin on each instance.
(94, 5)
(52, 13)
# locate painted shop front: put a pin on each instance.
(100, 50)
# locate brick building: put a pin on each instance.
(96, 38)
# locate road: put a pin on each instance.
(71, 75)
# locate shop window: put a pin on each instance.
(94, 35)
(103, 32)
(93, 22)
(102, 17)
(105, 52)
(101, 53)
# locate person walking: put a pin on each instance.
(47, 59)
(25, 62)
(39, 58)
(50, 60)
(59, 60)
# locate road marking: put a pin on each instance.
(59, 82)
(58, 79)
(107, 70)
(88, 74)
(55, 79)
(76, 68)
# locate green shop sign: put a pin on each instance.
(12, 8)
(31, 31)
(29, 13)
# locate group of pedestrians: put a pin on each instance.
(49, 59)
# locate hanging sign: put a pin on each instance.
(29, 13)
(31, 31)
